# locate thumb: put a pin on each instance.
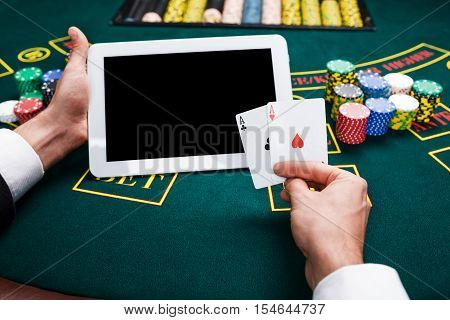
(80, 46)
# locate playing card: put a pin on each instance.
(254, 135)
(297, 130)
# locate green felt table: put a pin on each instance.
(212, 235)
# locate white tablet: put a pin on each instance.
(170, 106)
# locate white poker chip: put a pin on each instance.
(7, 111)
(404, 102)
(398, 80)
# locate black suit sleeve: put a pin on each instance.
(7, 208)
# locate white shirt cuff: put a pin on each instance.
(20, 166)
(361, 282)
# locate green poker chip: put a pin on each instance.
(427, 87)
(32, 94)
(340, 66)
(28, 79)
(28, 74)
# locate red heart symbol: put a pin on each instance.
(297, 142)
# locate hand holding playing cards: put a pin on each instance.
(328, 226)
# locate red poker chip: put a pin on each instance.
(351, 123)
(27, 109)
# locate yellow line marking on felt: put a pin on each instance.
(102, 194)
(437, 135)
(433, 155)
(426, 64)
(53, 43)
(31, 55)
(338, 149)
(8, 71)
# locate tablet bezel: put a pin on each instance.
(98, 165)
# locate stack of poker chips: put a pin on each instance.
(345, 93)
(311, 13)
(232, 11)
(175, 11)
(428, 93)
(338, 72)
(28, 79)
(331, 16)
(49, 81)
(374, 86)
(381, 112)
(7, 111)
(48, 91)
(290, 14)
(351, 16)
(213, 11)
(271, 12)
(194, 11)
(406, 109)
(352, 122)
(28, 108)
(399, 83)
(252, 11)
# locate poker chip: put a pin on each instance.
(154, 11)
(399, 83)
(48, 90)
(232, 11)
(406, 108)
(351, 15)
(271, 12)
(331, 15)
(428, 93)
(28, 79)
(27, 109)
(345, 93)
(381, 112)
(311, 13)
(175, 11)
(52, 75)
(374, 86)
(338, 72)
(7, 111)
(194, 11)
(290, 14)
(252, 11)
(213, 11)
(352, 122)
(31, 94)
(361, 73)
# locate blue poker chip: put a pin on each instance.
(380, 105)
(381, 112)
(52, 75)
(374, 86)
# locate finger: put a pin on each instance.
(308, 170)
(80, 46)
(297, 189)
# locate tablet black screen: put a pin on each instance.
(183, 104)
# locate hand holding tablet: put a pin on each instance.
(169, 106)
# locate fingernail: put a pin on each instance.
(277, 168)
(73, 33)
